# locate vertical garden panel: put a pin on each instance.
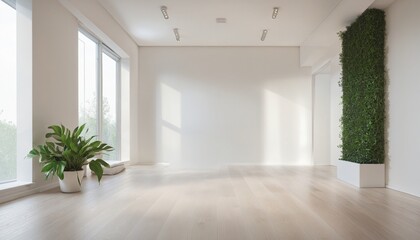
(363, 85)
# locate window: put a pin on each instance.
(88, 83)
(109, 131)
(99, 74)
(15, 92)
(8, 93)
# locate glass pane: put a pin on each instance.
(8, 96)
(109, 105)
(88, 80)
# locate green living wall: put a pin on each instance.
(363, 86)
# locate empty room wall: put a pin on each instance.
(210, 106)
(336, 110)
(321, 119)
(403, 47)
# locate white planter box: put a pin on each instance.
(361, 175)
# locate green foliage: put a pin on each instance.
(363, 84)
(7, 151)
(69, 151)
(89, 116)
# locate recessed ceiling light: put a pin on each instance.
(176, 32)
(164, 11)
(220, 20)
(275, 12)
(264, 34)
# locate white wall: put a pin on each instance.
(403, 47)
(336, 110)
(208, 106)
(327, 113)
(321, 119)
(55, 69)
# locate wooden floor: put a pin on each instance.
(241, 202)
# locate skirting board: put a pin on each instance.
(26, 191)
(165, 164)
(361, 175)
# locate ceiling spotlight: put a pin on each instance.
(164, 11)
(264, 34)
(220, 20)
(275, 12)
(176, 32)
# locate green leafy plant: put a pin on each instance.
(363, 85)
(7, 150)
(67, 150)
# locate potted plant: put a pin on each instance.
(66, 152)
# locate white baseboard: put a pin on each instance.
(322, 164)
(24, 191)
(402, 190)
(151, 164)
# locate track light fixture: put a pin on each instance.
(176, 32)
(275, 12)
(264, 34)
(164, 11)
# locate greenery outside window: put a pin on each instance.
(15, 93)
(8, 92)
(99, 88)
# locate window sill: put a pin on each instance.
(15, 184)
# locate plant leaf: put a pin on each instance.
(102, 162)
(96, 168)
(60, 169)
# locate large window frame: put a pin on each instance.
(11, 3)
(10, 123)
(24, 133)
(102, 48)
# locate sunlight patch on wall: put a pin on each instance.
(272, 131)
(171, 105)
(170, 129)
(286, 133)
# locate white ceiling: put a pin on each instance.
(299, 22)
(196, 21)
(382, 4)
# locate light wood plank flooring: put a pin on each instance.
(240, 202)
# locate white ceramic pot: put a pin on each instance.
(70, 183)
